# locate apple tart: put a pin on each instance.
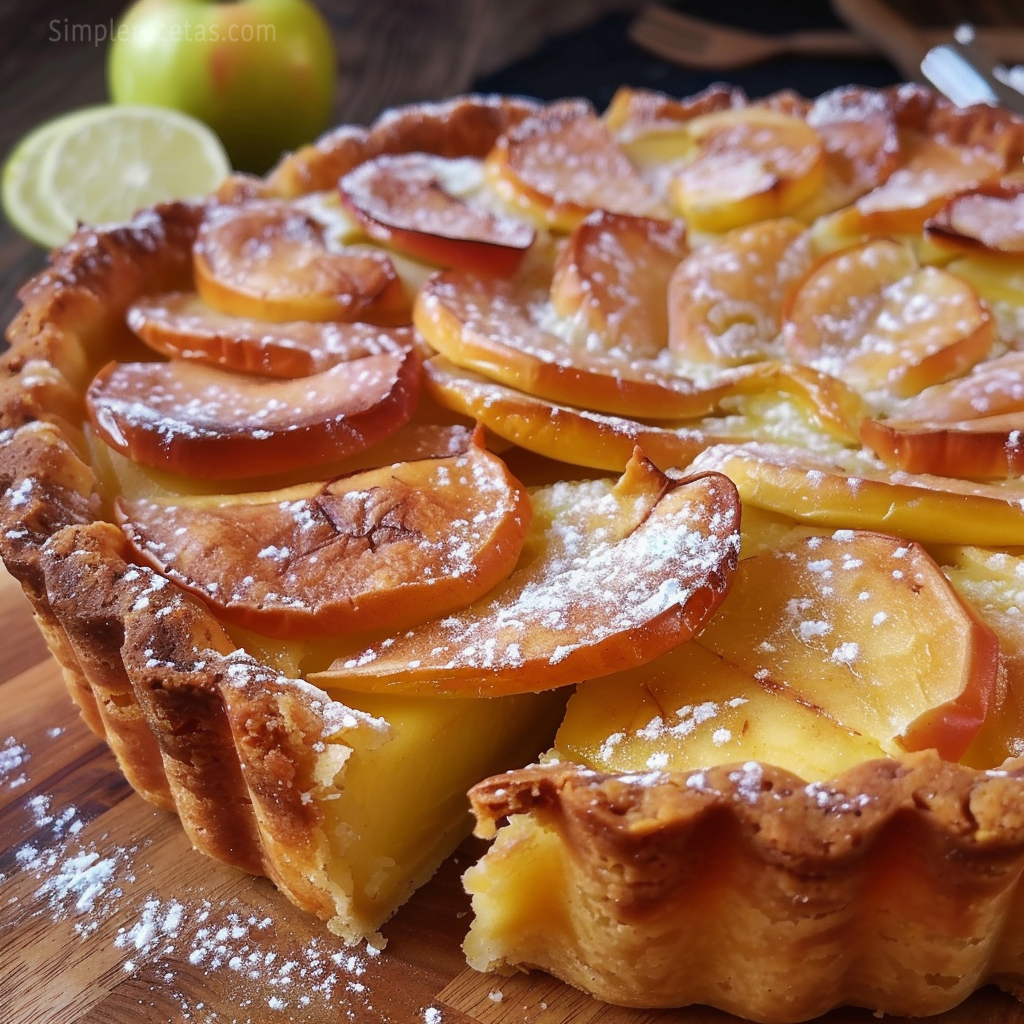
(653, 476)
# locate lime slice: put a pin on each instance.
(25, 206)
(121, 159)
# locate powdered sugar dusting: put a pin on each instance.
(592, 582)
(317, 555)
(76, 880)
(241, 945)
(13, 756)
(108, 893)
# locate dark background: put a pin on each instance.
(395, 51)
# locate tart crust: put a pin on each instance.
(893, 886)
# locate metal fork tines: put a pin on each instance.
(967, 73)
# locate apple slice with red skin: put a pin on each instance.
(930, 172)
(745, 165)
(614, 579)
(870, 315)
(562, 164)
(270, 260)
(201, 421)
(182, 326)
(988, 218)
(488, 325)
(866, 627)
(725, 299)
(603, 441)
(611, 277)
(378, 550)
(117, 475)
(400, 201)
(849, 491)
(992, 388)
(985, 448)
(860, 136)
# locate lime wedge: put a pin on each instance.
(25, 206)
(120, 159)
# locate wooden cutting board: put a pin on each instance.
(107, 915)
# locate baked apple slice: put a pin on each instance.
(691, 709)
(984, 448)
(378, 550)
(401, 201)
(826, 401)
(205, 422)
(847, 490)
(119, 476)
(271, 261)
(729, 168)
(990, 580)
(561, 164)
(988, 218)
(614, 576)
(611, 280)
(993, 387)
(930, 171)
(871, 316)
(725, 299)
(860, 136)
(634, 113)
(182, 326)
(490, 325)
(603, 441)
(997, 277)
(866, 628)
(577, 436)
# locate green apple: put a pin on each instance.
(261, 73)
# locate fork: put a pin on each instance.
(696, 43)
(967, 73)
(703, 44)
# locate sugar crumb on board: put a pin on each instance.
(101, 889)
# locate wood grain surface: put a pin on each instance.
(108, 916)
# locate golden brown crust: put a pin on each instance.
(808, 828)
(464, 126)
(94, 608)
(198, 726)
(894, 886)
(72, 316)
